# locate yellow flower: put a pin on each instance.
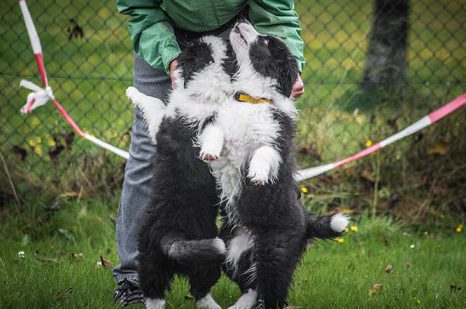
(346, 230)
(38, 151)
(369, 143)
(354, 228)
(52, 143)
(31, 143)
(50, 140)
(304, 189)
(339, 240)
(38, 139)
(459, 228)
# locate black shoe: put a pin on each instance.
(128, 293)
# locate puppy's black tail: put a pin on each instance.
(195, 251)
(326, 227)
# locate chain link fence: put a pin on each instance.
(373, 68)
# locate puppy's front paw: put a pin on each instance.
(208, 156)
(258, 174)
(210, 152)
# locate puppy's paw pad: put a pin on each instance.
(210, 153)
(208, 157)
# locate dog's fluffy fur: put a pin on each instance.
(179, 234)
(250, 148)
(250, 152)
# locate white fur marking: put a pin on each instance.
(207, 302)
(219, 245)
(264, 165)
(246, 301)
(251, 273)
(152, 109)
(154, 303)
(246, 127)
(240, 243)
(339, 222)
(211, 143)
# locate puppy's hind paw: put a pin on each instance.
(246, 301)
(207, 302)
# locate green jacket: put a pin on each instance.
(151, 23)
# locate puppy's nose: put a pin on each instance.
(242, 19)
(236, 27)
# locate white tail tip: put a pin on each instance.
(219, 245)
(339, 222)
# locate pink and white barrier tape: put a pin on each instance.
(415, 127)
(41, 96)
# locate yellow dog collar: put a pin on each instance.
(243, 97)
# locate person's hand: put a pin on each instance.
(172, 67)
(298, 88)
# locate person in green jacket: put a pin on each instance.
(159, 30)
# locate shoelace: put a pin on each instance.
(128, 293)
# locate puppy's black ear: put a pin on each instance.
(271, 57)
(288, 77)
(193, 59)
(288, 72)
(230, 64)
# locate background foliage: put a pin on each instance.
(88, 57)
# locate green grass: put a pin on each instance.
(331, 275)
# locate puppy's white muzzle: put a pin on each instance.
(242, 35)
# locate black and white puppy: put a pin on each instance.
(179, 234)
(250, 143)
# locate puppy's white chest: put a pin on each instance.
(246, 127)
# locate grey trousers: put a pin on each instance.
(137, 192)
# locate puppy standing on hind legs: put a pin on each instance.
(179, 235)
(267, 227)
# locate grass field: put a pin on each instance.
(420, 180)
(62, 249)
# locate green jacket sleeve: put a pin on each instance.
(151, 33)
(278, 17)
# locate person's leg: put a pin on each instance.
(137, 192)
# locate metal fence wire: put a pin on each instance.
(372, 68)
